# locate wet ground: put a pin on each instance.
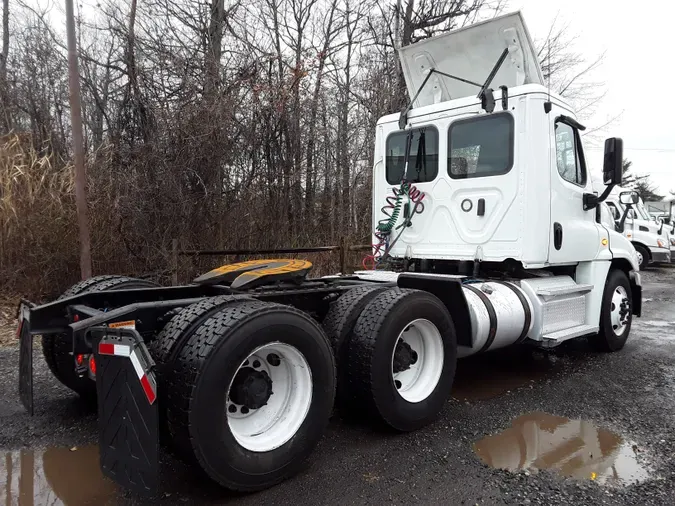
(523, 427)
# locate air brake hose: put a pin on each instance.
(394, 202)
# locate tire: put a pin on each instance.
(204, 371)
(339, 325)
(57, 350)
(610, 338)
(374, 354)
(643, 256)
(167, 345)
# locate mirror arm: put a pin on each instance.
(591, 200)
(619, 227)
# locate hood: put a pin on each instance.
(471, 53)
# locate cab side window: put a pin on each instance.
(615, 212)
(569, 158)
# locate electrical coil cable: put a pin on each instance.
(395, 202)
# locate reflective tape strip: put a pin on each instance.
(148, 389)
(137, 365)
(120, 350)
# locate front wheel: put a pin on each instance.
(643, 256)
(616, 314)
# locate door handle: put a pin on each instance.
(557, 235)
(481, 207)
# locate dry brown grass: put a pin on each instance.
(8, 325)
(37, 216)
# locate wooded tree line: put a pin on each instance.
(222, 123)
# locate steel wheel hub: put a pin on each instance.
(620, 310)
(269, 397)
(417, 360)
(251, 388)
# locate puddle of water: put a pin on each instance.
(54, 476)
(573, 448)
(491, 375)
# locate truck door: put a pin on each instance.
(574, 234)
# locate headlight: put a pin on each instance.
(660, 243)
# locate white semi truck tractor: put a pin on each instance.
(487, 233)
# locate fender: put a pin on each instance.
(622, 249)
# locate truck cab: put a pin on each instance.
(495, 183)
(650, 238)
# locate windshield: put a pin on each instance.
(642, 212)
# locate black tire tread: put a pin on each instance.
(362, 348)
(339, 326)
(340, 320)
(182, 325)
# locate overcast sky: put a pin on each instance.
(638, 69)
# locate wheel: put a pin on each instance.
(643, 256)
(255, 386)
(58, 350)
(616, 314)
(168, 343)
(339, 325)
(402, 358)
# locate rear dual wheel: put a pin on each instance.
(396, 354)
(253, 389)
(58, 349)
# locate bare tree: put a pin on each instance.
(4, 87)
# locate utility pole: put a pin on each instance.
(78, 144)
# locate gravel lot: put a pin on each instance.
(630, 393)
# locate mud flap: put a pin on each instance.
(127, 409)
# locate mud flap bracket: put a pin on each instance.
(127, 409)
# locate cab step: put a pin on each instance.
(555, 338)
(558, 291)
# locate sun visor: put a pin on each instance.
(470, 53)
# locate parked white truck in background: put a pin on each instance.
(649, 237)
(664, 212)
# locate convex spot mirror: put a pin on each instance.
(629, 197)
(612, 169)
